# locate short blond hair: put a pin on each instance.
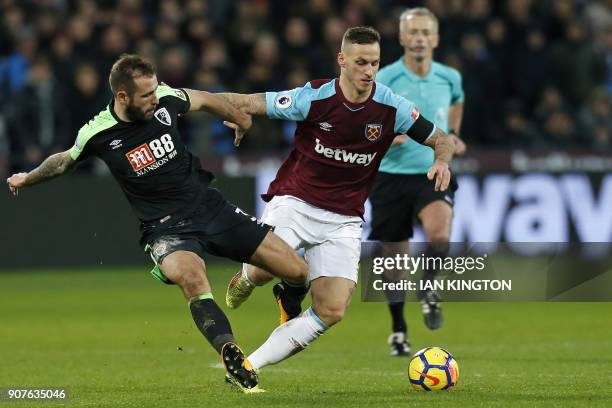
(420, 12)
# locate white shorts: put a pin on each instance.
(331, 241)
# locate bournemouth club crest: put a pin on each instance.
(163, 116)
(373, 131)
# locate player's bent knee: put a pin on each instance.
(330, 314)
(193, 283)
(186, 271)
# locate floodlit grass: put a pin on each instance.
(117, 338)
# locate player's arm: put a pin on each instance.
(53, 166)
(217, 105)
(455, 116)
(443, 146)
(253, 104)
(423, 131)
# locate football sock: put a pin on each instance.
(245, 273)
(295, 291)
(211, 321)
(289, 339)
(438, 250)
(397, 316)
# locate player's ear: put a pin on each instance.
(122, 97)
(341, 60)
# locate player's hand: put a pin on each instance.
(238, 131)
(460, 146)
(399, 140)
(441, 173)
(16, 181)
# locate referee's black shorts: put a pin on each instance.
(396, 201)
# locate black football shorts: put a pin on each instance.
(396, 201)
(217, 227)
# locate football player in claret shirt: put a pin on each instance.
(344, 128)
(182, 218)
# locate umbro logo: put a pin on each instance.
(115, 144)
(163, 116)
(325, 126)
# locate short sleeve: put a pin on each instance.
(408, 119)
(457, 95)
(78, 151)
(81, 149)
(289, 105)
(176, 96)
(295, 103)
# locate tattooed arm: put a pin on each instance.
(213, 103)
(443, 148)
(253, 104)
(53, 166)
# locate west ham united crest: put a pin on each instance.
(373, 131)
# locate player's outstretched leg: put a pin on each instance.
(330, 297)
(288, 296)
(239, 288)
(273, 257)
(240, 373)
(188, 271)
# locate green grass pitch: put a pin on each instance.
(118, 338)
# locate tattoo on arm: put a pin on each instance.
(253, 104)
(53, 166)
(443, 146)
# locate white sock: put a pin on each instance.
(245, 273)
(289, 339)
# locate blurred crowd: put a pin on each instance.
(537, 74)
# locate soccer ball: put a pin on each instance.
(433, 368)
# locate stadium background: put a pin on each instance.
(538, 81)
(538, 116)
